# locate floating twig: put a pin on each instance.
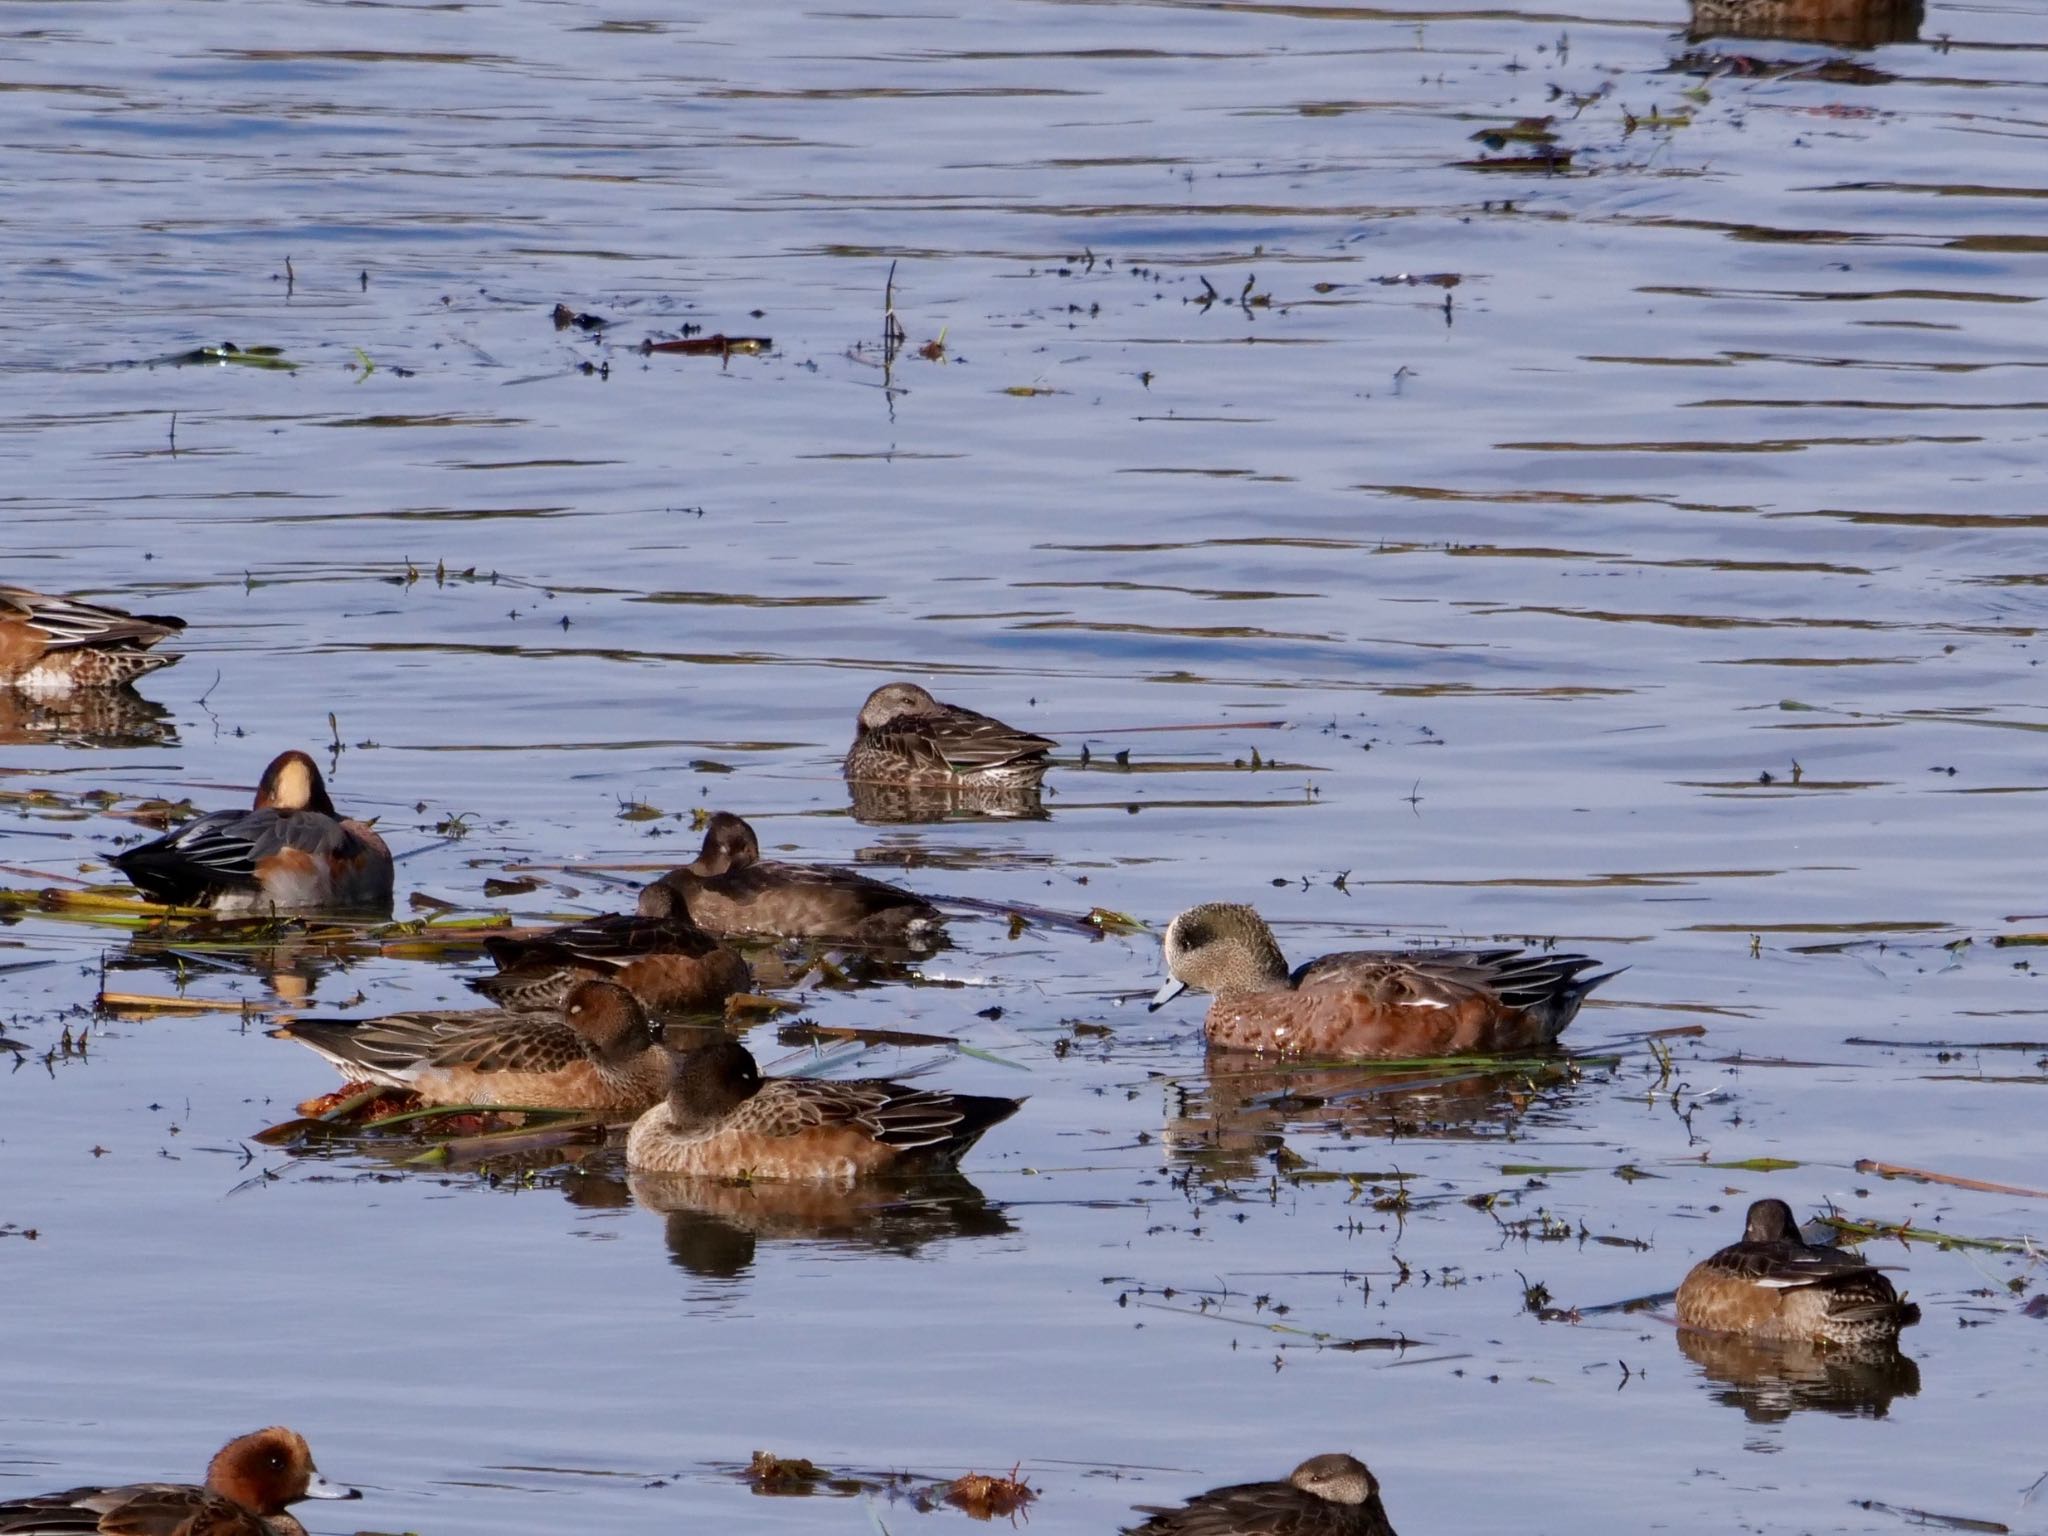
(1924, 1176)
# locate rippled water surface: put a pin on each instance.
(1646, 554)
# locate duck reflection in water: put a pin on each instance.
(1245, 1107)
(87, 717)
(1842, 23)
(911, 804)
(714, 1227)
(1770, 1381)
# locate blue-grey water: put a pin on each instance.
(1669, 584)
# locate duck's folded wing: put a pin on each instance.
(71, 624)
(1252, 1509)
(968, 740)
(387, 1050)
(1447, 978)
(607, 942)
(216, 851)
(891, 1113)
(534, 1043)
(1785, 1265)
(139, 1509)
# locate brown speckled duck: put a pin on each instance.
(55, 644)
(904, 736)
(1775, 1285)
(597, 1053)
(1333, 1495)
(722, 1119)
(1387, 1003)
(731, 891)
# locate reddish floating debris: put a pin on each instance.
(988, 1498)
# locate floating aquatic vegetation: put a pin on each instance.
(226, 353)
(989, 1498)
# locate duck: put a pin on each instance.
(56, 644)
(597, 1053)
(655, 952)
(292, 851)
(722, 1119)
(249, 1484)
(1368, 1003)
(730, 891)
(1775, 1285)
(904, 736)
(1330, 1495)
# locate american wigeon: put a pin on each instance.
(1394, 1003)
(54, 644)
(905, 736)
(724, 1120)
(1775, 1285)
(729, 890)
(656, 953)
(1333, 1495)
(249, 1483)
(597, 1053)
(293, 851)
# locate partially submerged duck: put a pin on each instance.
(1389, 1003)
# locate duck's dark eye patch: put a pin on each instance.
(1195, 935)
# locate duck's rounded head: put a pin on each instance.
(268, 1470)
(729, 844)
(1220, 948)
(292, 782)
(895, 701)
(1771, 1221)
(1339, 1478)
(711, 1081)
(609, 1017)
